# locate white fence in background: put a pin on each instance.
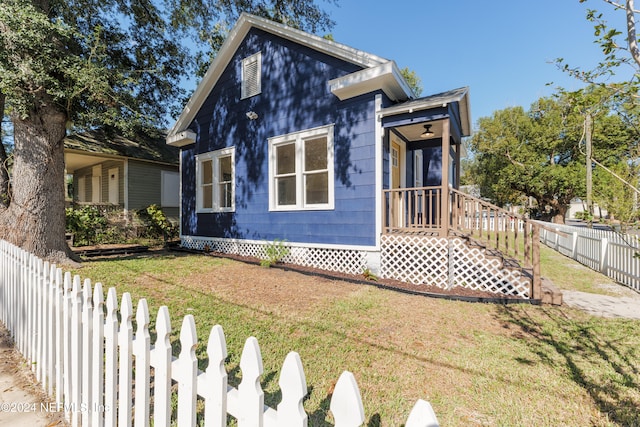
(610, 253)
(98, 370)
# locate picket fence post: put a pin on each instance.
(214, 380)
(141, 350)
(125, 336)
(186, 371)
(604, 242)
(98, 349)
(293, 385)
(161, 358)
(346, 403)
(87, 348)
(76, 350)
(250, 394)
(111, 359)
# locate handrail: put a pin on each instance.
(418, 210)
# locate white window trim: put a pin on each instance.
(214, 156)
(298, 138)
(256, 57)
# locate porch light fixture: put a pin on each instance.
(427, 132)
(252, 115)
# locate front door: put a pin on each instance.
(395, 165)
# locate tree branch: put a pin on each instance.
(631, 32)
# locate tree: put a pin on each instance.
(414, 82)
(537, 154)
(81, 64)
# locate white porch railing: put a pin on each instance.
(610, 253)
(97, 369)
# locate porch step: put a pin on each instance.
(550, 294)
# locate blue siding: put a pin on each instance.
(294, 97)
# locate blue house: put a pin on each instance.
(293, 137)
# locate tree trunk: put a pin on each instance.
(4, 167)
(559, 212)
(35, 220)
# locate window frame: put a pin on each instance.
(255, 58)
(214, 157)
(298, 139)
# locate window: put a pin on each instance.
(251, 76)
(301, 170)
(216, 181)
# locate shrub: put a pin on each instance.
(88, 225)
(157, 224)
(274, 252)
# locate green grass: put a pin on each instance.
(478, 364)
(568, 274)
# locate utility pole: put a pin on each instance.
(587, 125)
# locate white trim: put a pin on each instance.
(181, 139)
(251, 59)
(386, 77)
(214, 157)
(235, 38)
(402, 159)
(298, 138)
(378, 132)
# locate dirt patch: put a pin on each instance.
(457, 293)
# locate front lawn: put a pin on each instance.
(478, 364)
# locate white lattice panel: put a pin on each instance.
(415, 259)
(472, 269)
(339, 260)
(447, 263)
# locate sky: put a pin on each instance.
(504, 50)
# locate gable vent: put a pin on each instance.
(251, 79)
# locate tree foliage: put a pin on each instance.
(413, 80)
(82, 64)
(538, 153)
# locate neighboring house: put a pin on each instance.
(293, 137)
(109, 169)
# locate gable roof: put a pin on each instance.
(141, 147)
(378, 72)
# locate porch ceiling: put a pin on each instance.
(75, 161)
(412, 132)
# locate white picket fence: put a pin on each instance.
(610, 253)
(98, 370)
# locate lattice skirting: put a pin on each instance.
(447, 263)
(350, 261)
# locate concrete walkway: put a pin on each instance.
(625, 303)
(22, 403)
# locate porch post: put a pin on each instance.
(444, 191)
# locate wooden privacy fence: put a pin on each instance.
(612, 254)
(101, 372)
